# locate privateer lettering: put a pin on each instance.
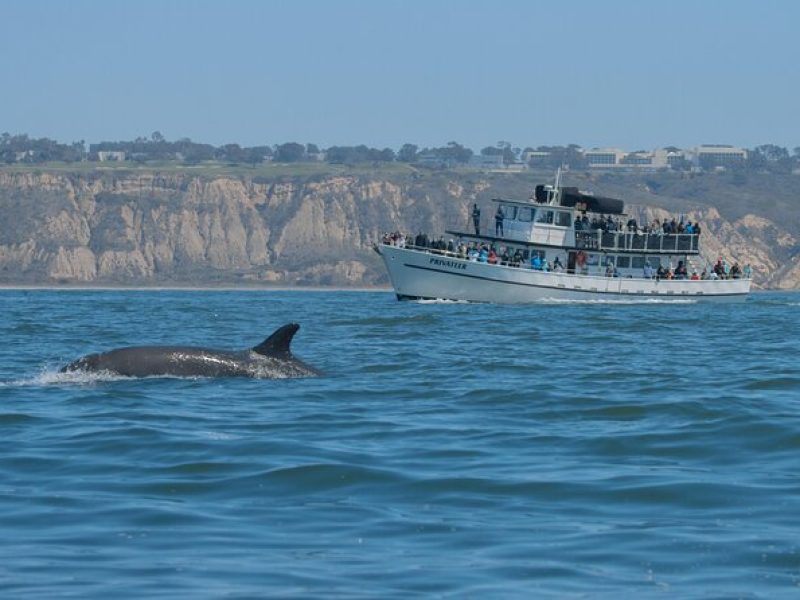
(451, 264)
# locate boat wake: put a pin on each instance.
(440, 301)
(617, 301)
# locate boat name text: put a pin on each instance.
(448, 263)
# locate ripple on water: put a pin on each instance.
(557, 450)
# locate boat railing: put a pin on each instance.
(601, 272)
(662, 243)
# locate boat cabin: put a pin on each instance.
(562, 223)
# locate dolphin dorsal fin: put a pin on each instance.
(278, 342)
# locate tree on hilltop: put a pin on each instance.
(290, 152)
(408, 153)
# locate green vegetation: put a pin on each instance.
(267, 170)
(156, 152)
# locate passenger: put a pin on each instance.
(578, 224)
(536, 262)
(689, 227)
(517, 260)
(498, 221)
(557, 266)
(680, 271)
(451, 246)
(585, 222)
(661, 273)
(704, 275)
(696, 228)
(748, 272)
(505, 258)
(492, 257)
(472, 254)
(648, 270)
(695, 276)
(719, 269)
(736, 271)
(476, 218)
(483, 255)
(545, 265)
(611, 271)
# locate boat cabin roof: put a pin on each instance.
(571, 197)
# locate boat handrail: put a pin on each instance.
(525, 265)
(657, 243)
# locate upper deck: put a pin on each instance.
(569, 219)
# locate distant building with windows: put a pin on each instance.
(535, 157)
(641, 160)
(638, 159)
(107, 155)
(603, 157)
(710, 156)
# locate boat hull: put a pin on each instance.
(419, 274)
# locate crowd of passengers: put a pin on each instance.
(510, 257)
(610, 224)
(721, 270)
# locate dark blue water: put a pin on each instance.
(452, 450)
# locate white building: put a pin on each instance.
(535, 156)
(599, 158)
(709, 156)
(106, 155)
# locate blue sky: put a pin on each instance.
(634, 74)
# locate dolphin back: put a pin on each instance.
(271, 359)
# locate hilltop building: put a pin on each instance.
(107, 155)
(710, 156)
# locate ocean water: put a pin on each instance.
(450, 450)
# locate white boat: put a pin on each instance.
(544, 251)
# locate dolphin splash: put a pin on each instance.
(271, 359)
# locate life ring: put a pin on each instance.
(580, 258)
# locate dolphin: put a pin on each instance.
(271, 359)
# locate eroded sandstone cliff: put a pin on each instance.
(150, 228)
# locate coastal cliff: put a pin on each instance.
(131, 227)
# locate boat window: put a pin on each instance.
(510, 212)
(563, 219)
(545, 216)
(592, 259)
(525, 214)
(624, 262)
